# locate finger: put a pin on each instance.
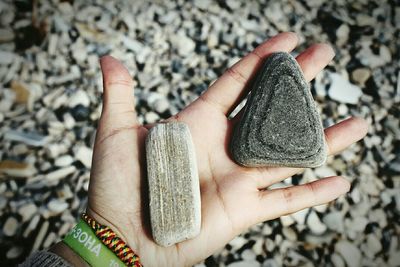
(118, 97)
(229, 89)
(312, 61)
(291, 199)
(343, 134)
(337, 138)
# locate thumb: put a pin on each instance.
(118, 98)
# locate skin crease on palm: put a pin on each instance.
(233, 197)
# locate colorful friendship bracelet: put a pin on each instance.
(83, 241)
(113, 242)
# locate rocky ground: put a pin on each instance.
(50, 101)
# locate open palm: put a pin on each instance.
(232, 197)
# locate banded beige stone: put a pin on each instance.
(174, 190)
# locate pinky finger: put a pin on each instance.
(291, 199)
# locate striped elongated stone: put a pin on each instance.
(174, 189)
(280, 125)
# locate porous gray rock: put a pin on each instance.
(174, 189)
(280, 125)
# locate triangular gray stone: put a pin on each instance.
(280, 124)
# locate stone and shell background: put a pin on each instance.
(50, 102)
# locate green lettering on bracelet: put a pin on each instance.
(83, 241)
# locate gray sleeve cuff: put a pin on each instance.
(45, 259)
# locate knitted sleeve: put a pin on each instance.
(45, 259)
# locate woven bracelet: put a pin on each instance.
(113, 242)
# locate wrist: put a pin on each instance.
(90, 243)
(103, 250)
(120, 230)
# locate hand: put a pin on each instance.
(230, 194)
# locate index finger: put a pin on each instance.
(229, 89)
